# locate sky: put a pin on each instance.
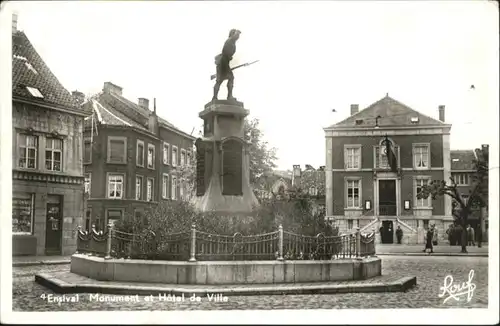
(314, 57)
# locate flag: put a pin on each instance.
(391, 156)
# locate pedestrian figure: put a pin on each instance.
(428, 240)
(470, 236)
(449, 233)
(399, 234)
(435, 235)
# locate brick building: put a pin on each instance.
(47, 171)
(362, 190)
(130, 157)
(462, 172)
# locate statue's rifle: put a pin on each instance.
(239, 66)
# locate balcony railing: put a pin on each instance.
(387, 210)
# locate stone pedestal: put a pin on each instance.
(222, 172)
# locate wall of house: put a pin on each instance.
(43, 122)
(181, 142)
(405, 142)
(99, 168)
(67, 183)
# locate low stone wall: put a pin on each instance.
(225, 272)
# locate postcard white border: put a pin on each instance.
(344, 316)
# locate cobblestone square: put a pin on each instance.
(430, 272)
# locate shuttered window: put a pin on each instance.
(117, 150)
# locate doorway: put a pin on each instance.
(387, 232)
(53, 226)
(387, 198)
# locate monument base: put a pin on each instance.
(214, 201)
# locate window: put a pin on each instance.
(53, 154)
(421, 156)
(173, 192)
(426, 224)
(181, 189)
(461, 179)
(87, 183)
(183, 157)
(353, 193)
(465, 198)
(117, 147)
(381, 161)
(188, 158)
(151, 156)
(87, 152)
(164, 188)
(150, 190)
(419, 184)
(349, 224)
(139, 159)
(313, 191)
(34, 92)
(115, 186)
(352, 156)
(166, 150)
(88, 216)
(28, 146)
(23, 209)
(113, 215)
(174, 156)
(138, 187)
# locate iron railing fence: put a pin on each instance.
(196, 245)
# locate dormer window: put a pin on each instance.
(34, 92)
(359, 121)
(414, 119)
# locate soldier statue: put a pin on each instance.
(222, 60)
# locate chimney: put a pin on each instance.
(441, 113)
(153, 120)
(354, 109)
(144, 103)
(296, 175)
(14, 23)
(79, 96)
(109, 87)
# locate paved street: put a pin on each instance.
(430, 273)
(395, 249)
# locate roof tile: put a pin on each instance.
(392, 112)
(462, 159)
(29, 69)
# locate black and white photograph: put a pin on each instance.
(214, 162)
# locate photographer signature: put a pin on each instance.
(455, 291)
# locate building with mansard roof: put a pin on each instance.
(363, 190)
(47, 143)
(132, 157)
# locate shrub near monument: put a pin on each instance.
(165, 227)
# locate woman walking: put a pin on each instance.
(428, 240)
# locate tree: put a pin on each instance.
(262, 158)
(478, 195)
(186, 174)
